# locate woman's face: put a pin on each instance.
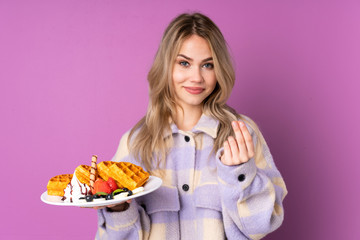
(193, 73)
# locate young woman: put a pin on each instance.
(219, 178)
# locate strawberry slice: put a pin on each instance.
(112, 184)
(101, 186)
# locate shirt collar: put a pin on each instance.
(206, 124)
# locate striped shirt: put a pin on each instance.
(200, 197)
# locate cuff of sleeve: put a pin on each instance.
(242, 174)
(219, 153)
(122, 219)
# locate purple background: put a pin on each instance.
(73, 80)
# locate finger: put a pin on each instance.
(226, 159)
(238, 135)
(234, 150)
(243, 153)
(248, 139)
(98, 208)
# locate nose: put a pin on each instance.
(196, 75)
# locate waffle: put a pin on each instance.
(82, 173)
(128, 175)
(103, 169)
(57, 184)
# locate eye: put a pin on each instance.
(208, 65)
(184, 63)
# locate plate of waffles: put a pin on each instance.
(103, 184)
(150, 185)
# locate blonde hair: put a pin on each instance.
(146, 140)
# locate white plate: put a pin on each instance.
(151, 185)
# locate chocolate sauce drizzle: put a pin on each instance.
(83, 190)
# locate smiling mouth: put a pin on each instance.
(194, 90)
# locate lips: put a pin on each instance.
(194, 90)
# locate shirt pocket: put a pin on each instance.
(208, 196)
(163, 199)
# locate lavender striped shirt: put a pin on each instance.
(200, 197)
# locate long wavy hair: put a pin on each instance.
(146, 141)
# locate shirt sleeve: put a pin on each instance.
(134, 222)
(251, 195)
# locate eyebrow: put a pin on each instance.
(190, 59)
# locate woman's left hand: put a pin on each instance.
(240, 149)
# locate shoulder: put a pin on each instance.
(126, 139)
(122, 150)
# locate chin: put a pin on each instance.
(194, 103)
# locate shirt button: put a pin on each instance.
(187, 138)
(241, 177)
(185, 187)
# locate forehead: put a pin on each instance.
(195, 46)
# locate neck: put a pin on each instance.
(186, 118)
